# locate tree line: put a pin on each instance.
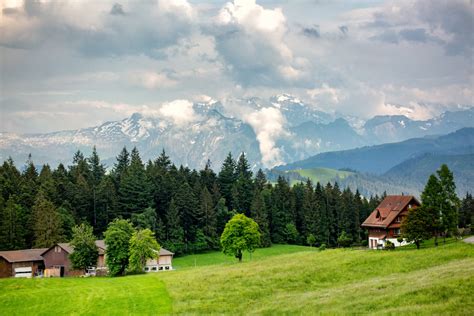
(185, 209)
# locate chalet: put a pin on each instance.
(384, 222)
(21, 263)
(162, 263)
(57, 263)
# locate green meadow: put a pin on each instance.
(277, 280)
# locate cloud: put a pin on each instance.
(269, 125)
(153, 80)
(448, 23)
(251, 41)
(325, 94)
(181, 112)
(141, 28)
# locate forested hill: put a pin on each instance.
(186, 209)
(381, 158)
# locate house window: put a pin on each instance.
(153, 269)
(398, 220)
(397, 231)
(147, 269)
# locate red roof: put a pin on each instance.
(24, 255)
(388, 210)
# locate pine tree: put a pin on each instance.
(466, 212)
(243, 186)
(97, 168)
(12, 228)
(106, 204)
(260, 180)
(449, 201)
(188, 207)
(431, 201)
(174, 229)
(134, 191)
(29, 185)
(121, 166)
(258, 214)
(10, 179)
(281, 210)
(46, 183)
(226, 179)
(208, 219)
(47, 223)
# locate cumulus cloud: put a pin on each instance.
(251, 40)
(181, 112)
(325, 94)
(269, 125)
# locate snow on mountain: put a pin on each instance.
(216, 132)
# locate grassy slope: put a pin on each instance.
(138, 294)
(218, 258)
(434, 280)
(281, 279)
(323, 175)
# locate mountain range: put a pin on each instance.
(402, 167)
(217, 130)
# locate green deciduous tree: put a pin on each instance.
(117, 240)
(85, 250)
(416, 225)
(143, 246)
(240, 234)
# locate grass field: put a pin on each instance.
(278, 280)
(323, 175)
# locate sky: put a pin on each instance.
(77, 63)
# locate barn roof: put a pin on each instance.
(164, 252)
(388, 210)
(24, 255)
(70, 249)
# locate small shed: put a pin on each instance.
(27, 262)
(162, 263)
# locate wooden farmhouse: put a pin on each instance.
(57, 263)
(162, 263)
(384, 222)
(54, 262)
(21, 263)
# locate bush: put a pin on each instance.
(364, 243)
(322, 247)
(344, 240)
(389, 245)
(400, 239)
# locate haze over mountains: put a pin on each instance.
(393, 167)
(277, 131)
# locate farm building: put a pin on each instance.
(57, 263)
(384, 222)
(162, 263)
(21, 263)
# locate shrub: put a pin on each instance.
(322, 247)
(400, 239)
(389, 245)
(364, 243)
(344, 240)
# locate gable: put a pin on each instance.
(389, 209)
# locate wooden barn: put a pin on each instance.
(57, 263)
(384, 222)
(21, 263)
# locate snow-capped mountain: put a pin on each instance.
(215, 131)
